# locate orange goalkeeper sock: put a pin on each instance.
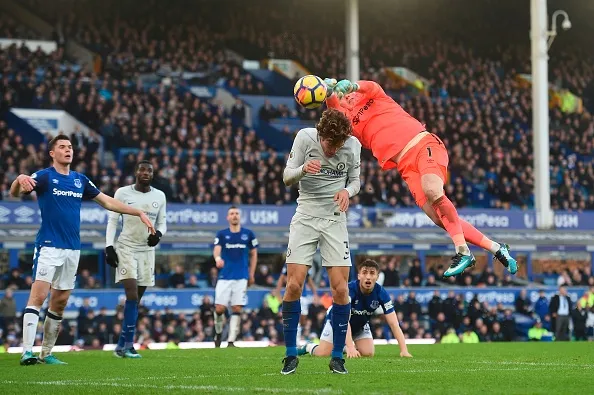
(449, 217)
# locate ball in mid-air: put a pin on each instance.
(310, 91)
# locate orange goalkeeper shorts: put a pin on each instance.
(428, 156)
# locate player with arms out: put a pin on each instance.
(236, 256)
(133, 257)
(366, 297)
(326, 162)
(60, 192)
(397, 140)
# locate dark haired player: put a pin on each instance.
(60, 192)
(366, 297)
(236, 256)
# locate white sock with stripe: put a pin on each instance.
(51, 328)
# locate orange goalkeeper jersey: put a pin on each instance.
(379, 123)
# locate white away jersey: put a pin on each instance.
(134, 233)
(316, 191)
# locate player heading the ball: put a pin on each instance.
(325, 161)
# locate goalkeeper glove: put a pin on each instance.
(344, 87)
(330, 83)
(111, 257)
(153, 240)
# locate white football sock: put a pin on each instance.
(51, 328)
(219, 323)
(494, 247)
(310, 348)
(30, 321)
(463, 249)
(234, 327)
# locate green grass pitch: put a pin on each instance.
(494, 368)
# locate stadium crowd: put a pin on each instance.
(465, 107)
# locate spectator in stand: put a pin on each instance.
(560, 310)
(508, 326)
(7, 310)
(411, 305)
(391, 274)
(541, 306)
(177, 278)
(579, 318)
(415, 273)
(522, 304)
(16, 280)
(435, 306)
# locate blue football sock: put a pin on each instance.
(340, 320)
(130, 317)
(122, 339)
(291, 313)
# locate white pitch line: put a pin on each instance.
(90, 383)
(436, 370)
(536, 364)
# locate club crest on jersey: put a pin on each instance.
(340, 166)
(374, 305)
(244, 237)
(155, 204)
(77, 183)
(288, 252)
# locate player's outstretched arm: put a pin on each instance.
(112, 204)
(392, 321)
(368, 88)
(22, 184)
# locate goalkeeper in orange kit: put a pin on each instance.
(398, 140)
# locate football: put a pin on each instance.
(310, 91)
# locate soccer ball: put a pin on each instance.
(310, 91)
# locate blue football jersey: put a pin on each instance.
(59, 197)
(235, 252)
(363, 306)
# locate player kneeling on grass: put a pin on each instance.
(366, 296)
